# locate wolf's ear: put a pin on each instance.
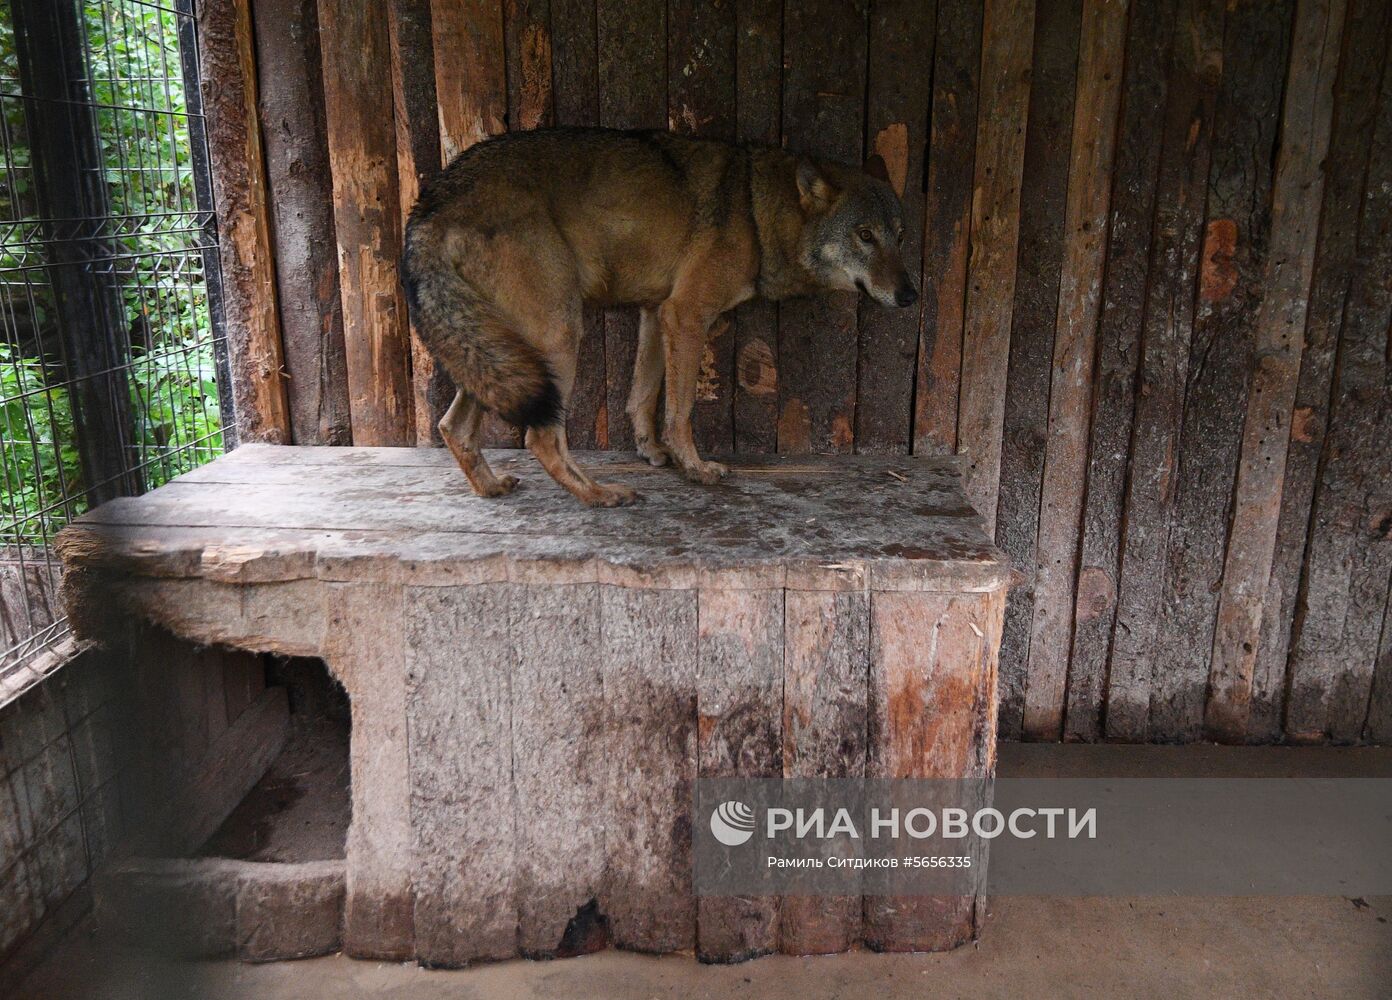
(876, 167)
(814, 190)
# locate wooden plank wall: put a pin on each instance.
(1154, 241)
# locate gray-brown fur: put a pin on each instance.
(507, 244)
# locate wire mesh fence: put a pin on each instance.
(109, 345)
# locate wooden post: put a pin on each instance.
(1144, 85)
(1298, 191)
(227, 62)
(70, 190)
(1166, 332)
(758, 86)
(1100, 62)
(824, 52)
(1044, 238)
(290, 86)
(417, 161)
(995, 225)
(947, 225)
(356, 49)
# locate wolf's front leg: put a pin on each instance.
(684, 340)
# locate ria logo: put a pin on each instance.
(732, 823)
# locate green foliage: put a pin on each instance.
(153, 236)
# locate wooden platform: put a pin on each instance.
(535, 685)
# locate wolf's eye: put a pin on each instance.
(866, 236)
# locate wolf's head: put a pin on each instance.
(854, 231)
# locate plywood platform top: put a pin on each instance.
(265, 514)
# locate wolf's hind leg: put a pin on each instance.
(548, 444)
(460, 429)
(647, 384)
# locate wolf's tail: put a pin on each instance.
(481, 353)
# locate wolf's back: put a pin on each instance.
(481, 354)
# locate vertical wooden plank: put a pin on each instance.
(759, 115)
(1256, 42)
(471, 89)
(739, 688)
(1143, 90)
(228, 71)
(824, 51)
(947, 224)
(575, 95)
(291, 92)
(418, 160)
(1355, 102)
(527, 34)
(896, 108)
(1297, 193)
(995, 226)
(460, 664)
(701, 101)
(1196, 65)
(932, 714)
(356, 50)
(632, 94)
(1379, 727)
(1043, 203)
(1349, 560)
(649, 680)
(558, 768)
(366, 652)
(826, 640)
(1101, 58)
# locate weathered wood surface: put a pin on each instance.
(824, 44)
(947, 224)
(1043, 205)
(535, 686)
(995, 228)
(355, 45)
(1101, 49)
(1297, 193)
(228, 71)
(399, 514)
(1144, 87)
(290, 88)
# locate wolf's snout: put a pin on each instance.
(905, 295)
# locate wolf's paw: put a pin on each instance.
(705, 472)
(612, 495)
(500, 488)
(654, 452)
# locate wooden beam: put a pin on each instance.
(1101, 58)
(227, 63)
(356, 50)
(947, 224)
(896, 104)
(995, 227)
(1144, 86)
(824, 57)
(758, 113)
(1297, 193)
(1286, 696)
(1043, 209)
(1196, 67)
(290, 85)
(417, 161)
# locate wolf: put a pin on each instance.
(505, 246)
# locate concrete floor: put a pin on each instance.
(1316, 947)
